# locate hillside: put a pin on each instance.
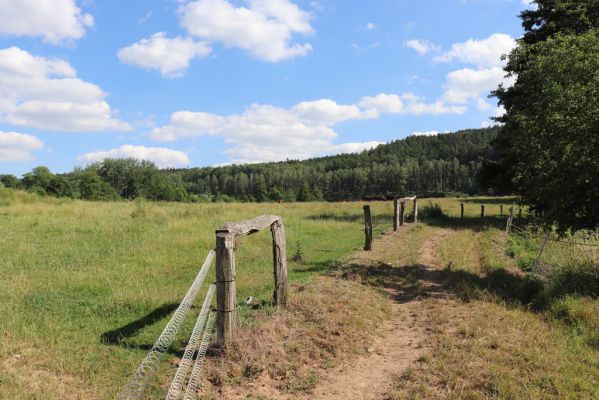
(439, 164)
(424, 165)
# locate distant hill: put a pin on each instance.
(442, 164)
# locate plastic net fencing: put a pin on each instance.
(178, 383)
(137, 384)
(192, 386)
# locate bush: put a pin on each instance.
(431, 211)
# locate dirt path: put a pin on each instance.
(401, 341)
(401, 344)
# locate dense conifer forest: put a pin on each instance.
(444, 164)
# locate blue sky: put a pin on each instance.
(211, 82)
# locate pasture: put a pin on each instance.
(87, 286)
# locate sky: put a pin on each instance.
(214, 82)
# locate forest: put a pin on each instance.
(440, 165)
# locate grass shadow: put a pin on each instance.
(346, 217)
(410, 282)
(119, 335)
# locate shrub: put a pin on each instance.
(431, 211)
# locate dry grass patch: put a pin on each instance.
(326, 322)
(484, 350)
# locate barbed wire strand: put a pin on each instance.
(192, 386)
(139, 381)
(178, 384)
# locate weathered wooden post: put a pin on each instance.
(226, 295)
(402, 212)
(462, 210)
(367, 228)
(501, 209)
(482, 210)
(279, 255)
(415, 210)
(395, 214)
(510, 219)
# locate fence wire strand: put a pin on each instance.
(192, 386)
(178, 384)
(140, 379)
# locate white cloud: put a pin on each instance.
(421, 47)
(484, 53)
(45, 93)
(18, 146)
(170, 56)
(483, 105)
(54, 20)
(160, 156)
(265, 29)
(370, 26)
(326, 112)
(407, 103)
(353, 147)
(468, 84)
(383, 103)
(269, 133)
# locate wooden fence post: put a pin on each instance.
(501, 209)
(462, 209)
(279, 255)
(402, 212)
(367, 228)
(519, 214)
(482, 210)
(510, 219)
(395, 214)
(415, 210)
(226, 314)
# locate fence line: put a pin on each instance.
(192, 386)
(140, 379)
(178, 383)
(548, 257)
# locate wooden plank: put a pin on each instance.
(415, 211)
(367, 228)
(402, 212)
(510, 219)
(226, 296)
(247, 227)
(395, 214)
(406, 199)
(279, 254)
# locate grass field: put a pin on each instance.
(73, 272)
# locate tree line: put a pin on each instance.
(425, 165)
(548, 148)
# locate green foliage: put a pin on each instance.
(425, 165)
(38, 178)
(298, 255)
(549, 143)
(551, 17)
(431, 212)
(92, 187)
(10, 181)
(440, 165)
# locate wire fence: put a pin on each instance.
(541, 252)
(136, 387)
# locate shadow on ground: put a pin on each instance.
(120, 336)
(410, 282)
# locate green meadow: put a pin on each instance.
(87, 287)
